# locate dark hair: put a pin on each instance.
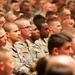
(57, 40)
(14, 1)
(59, 70)
(73, 15)
(38, 20)
(24, 8)
(54, 1)
(41, 66)
(50, 13)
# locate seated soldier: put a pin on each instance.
(60, 44)
(54, 25)
(6, 62)
(13, 35)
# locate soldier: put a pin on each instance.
(6, 62)
(26, 33)
(44, 32)
(70, 31)
(35, 50)
(60, 44)
(25, 29)
(54, 25)
(3, 37)
(20, 64)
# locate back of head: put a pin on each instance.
(10, 17)
(63, 60)
(57, 40)
(59, 70)
(41, 65)
(3, 54)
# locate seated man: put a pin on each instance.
(60, 44)
(6, 62)
(54, 25)
(13, 35)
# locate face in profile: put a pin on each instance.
(3, 37)
(55, 26)
(26, 29)
(44, 31)
(66, 49)
(35, 33)
(14, 33)
(66, 14)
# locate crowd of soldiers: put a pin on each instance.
(38, 34)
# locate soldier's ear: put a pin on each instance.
(7, 34)
(50, 28)
(55, 51)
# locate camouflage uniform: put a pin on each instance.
(43, 45)
(35, 51)
(25, 52)
(21, 66)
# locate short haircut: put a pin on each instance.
(25, 16)
(8, 26)
(38, 20)
(3, 53)
(19, 22)
(50, 13)
(60, 11)
(57, 40)
(59, 70)
(13, 1)
(39, 24)
(52, 20)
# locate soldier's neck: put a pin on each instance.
(11, 42)
(22, 38)
(32, 40)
